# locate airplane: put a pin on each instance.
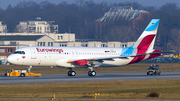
(89, 57)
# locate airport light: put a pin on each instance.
(96, 94)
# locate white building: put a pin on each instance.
(37, 25)
(39, 32)
(3, 28)
(26, 40)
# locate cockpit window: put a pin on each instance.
(23, 52)
(19, 52)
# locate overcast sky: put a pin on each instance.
(157, 3)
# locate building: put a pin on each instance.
(45, 40)
(63, 37)
(5, 51)
(116, 13)
(94, 44)
(57, 37)
(37, 25)
(3, 28)
(26, 40)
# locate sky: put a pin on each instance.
(157, 3)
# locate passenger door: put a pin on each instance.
(33, 53)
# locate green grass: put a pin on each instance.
(167, 89)
(46, 100)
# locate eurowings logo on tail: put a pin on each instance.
(147, 39)
(145, 42)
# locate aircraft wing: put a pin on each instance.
(155, 53)
(101, 59)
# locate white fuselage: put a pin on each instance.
(58, 56)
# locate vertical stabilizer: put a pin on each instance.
(145, 42)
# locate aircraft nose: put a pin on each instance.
(10, 59)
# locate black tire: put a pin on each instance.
(89, 73)
(92, 73)
(155, 73)
(147, 73)
(71, 73)
(22, 75)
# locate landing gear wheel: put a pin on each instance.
(92, 73)
(22, 75)
(71, 73)
(155, 73)
(89, 73)
(147, 73)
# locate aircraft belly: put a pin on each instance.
(116, 62)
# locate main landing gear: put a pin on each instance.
(71, 73)
(91, 72)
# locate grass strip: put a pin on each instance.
(140, 89)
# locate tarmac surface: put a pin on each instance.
(61, 78)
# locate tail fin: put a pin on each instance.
(145, 42)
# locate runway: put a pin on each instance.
(61, 78)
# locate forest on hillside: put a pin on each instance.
(79, 18)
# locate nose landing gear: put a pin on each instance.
(71, 73)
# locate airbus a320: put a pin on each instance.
(89, 57)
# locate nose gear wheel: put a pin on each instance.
(71, 73)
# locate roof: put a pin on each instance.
(121, 12)
(38, 19)
(35, 19)
(20, 37)
(9, 45)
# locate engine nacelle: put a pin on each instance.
(63, 63)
